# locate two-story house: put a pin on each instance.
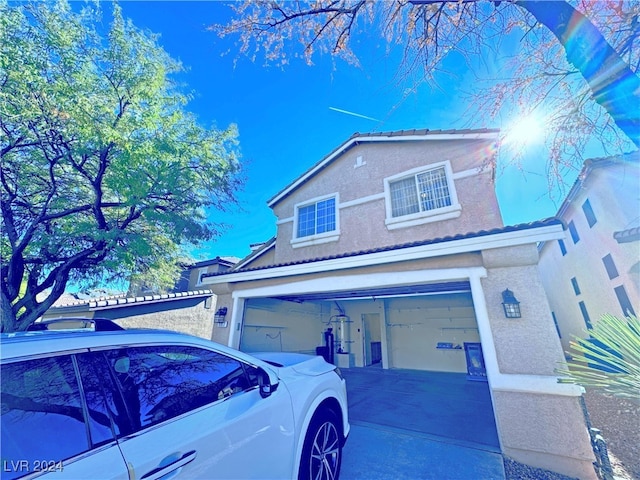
(392, 249)
(596, 269)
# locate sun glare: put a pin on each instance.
(525, 130)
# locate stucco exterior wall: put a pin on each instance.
(220, 332)
(535, 428)
(614, 194)
(547, 431)
(361, 203)
(190, 317)
(527, 345)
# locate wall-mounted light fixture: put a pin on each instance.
(510, 304)
(220, 317)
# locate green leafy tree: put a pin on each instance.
(609, 360)
(104, 173)
(574, 63)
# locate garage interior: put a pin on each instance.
(429, 327)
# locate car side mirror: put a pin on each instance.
(264, 382)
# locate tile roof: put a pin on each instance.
(228, 261)
(421, 133)
(627, 236)
(427, 131)
(264, 246)
(482, 233)
(120, 300)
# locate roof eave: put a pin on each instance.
(522, 236)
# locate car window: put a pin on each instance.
(107, 412)
(162, 382)
(42, 415)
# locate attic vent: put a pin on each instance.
(359, 162)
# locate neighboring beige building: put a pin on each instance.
(595, 268)
(191, 276)
(395, 241)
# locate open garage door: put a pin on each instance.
(419, 327)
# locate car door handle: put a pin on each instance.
(166, 469)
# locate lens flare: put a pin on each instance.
(525, 130)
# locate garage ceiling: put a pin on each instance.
(378, 292)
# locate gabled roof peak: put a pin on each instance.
(392, 136)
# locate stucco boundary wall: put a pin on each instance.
(540, 422)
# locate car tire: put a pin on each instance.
(322, 452)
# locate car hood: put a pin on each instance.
(298, 362)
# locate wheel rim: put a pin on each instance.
(325, 453)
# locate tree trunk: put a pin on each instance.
(614, 85)
(8, 319)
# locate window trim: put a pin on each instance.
(318, 238)
(428, 216)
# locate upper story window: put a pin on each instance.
(574, 232)
(316, 221)
(319, 217)
(588, 213)
(563, 247)
(585, 315)
(420, 193)
(623, 299)
(421, 196)
(610, 266)
(574, 284)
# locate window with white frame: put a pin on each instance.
(421, 195)
(316, 218)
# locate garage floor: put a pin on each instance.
(437, 404)
(408, 424)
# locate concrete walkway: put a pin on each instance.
(419, 425)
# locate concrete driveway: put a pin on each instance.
(410, 424)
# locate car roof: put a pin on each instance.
(37, 343)
(75, 323)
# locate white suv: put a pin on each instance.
(154, 404)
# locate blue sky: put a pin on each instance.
(287, 121)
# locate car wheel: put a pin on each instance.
(322, 452)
